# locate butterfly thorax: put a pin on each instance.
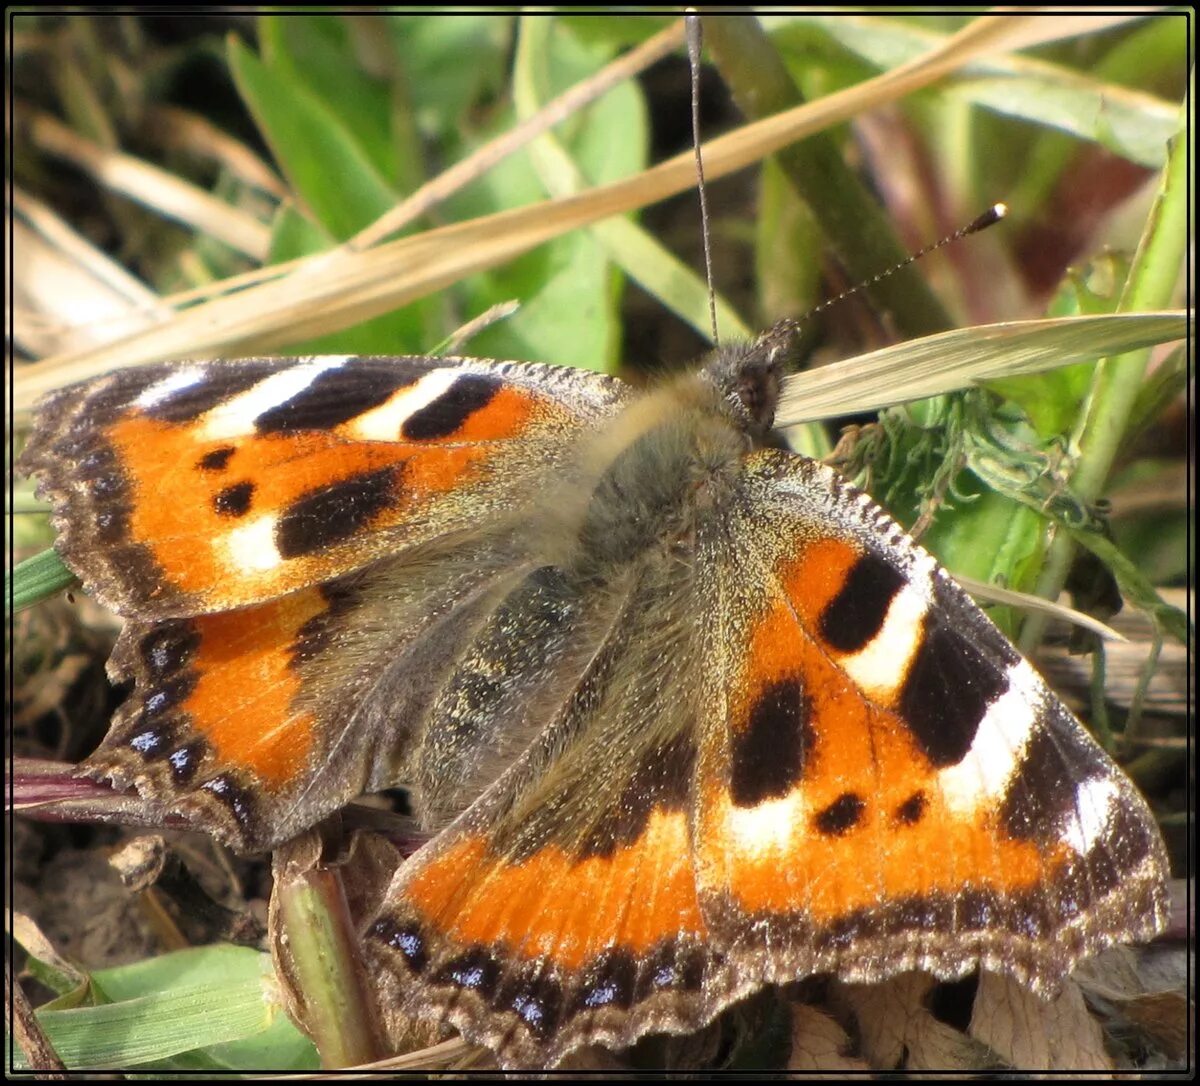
(667, 461)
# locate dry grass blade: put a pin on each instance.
(69, 295)
(152, 187)
(551, 114)
(424, 1059)
(183, 130)
(1043, 28)
(335, 290)
(991, 593)
(965, 356)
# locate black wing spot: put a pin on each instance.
(336, 512)
(169, 695)
(186, 760)
(236, 799)
(406, 939)
(153, 742)
(445, 415)
(947, 692)
(854, 617)
(234, 501)
(841, 816)
(608, 982)
(217, 459)
(770, 751)
(476, 970)
(168, 647)
(912, 810)
(537, 1000)
(672, 966)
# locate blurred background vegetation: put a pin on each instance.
(165, 163)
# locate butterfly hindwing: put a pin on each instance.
(256, 722)
(196, 487)
(889, 785)
(561, 908)
(287, 538)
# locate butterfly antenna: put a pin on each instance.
(695, 39)
(788, 326)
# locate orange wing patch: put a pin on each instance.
(246, 683)
(554, 905)
(214, 727)
(827, 803)
(555, 947)
(276, 511)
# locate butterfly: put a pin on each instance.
(686, 713)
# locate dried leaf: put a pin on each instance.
(1035, 1034)
(936, 1046)
(898, 1030)
(1140, 991)
(820, 1044)
(885, 1015)
(140, 862)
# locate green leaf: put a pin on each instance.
(316, 53)
(450, 63)
(1132, 124)
(334, 180)
(1141, 58)
(294, 234)
(568, 290)
(323, 162)
(1054, 399)
(36, 579)
(173, 1004)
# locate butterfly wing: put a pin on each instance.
(301, 547)
(561, 909)
(886, 784)
(190, 488)
(797, 749)
(254, 723)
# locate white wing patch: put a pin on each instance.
(767, 827)
(881, 665)
(251, 547)
(983, 775)
(1095, 801)
(169, 386)
(235, 417)
(383, 423)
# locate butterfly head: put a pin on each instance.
(748, 377)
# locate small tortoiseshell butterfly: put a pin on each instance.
(689, 714)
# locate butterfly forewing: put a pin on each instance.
(887, 785)
(196, 487)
